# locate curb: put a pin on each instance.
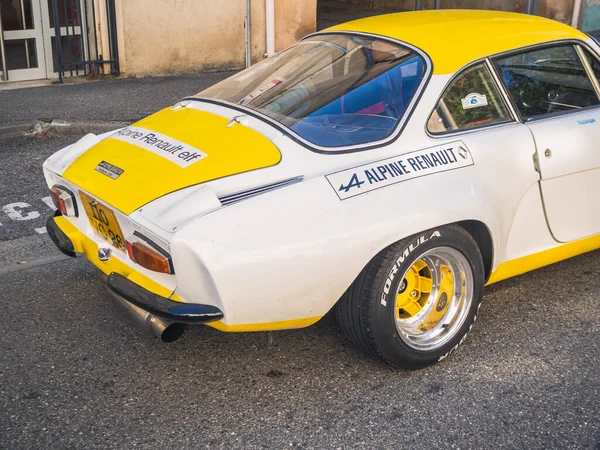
(14, 130)
(55, 127)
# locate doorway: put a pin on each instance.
(28, 39)
(22, 42)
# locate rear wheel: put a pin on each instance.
(414, 303)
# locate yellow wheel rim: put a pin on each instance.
(433, 298)
(417, 290)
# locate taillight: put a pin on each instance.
(149, 255)
(64, 200)
(130, 250)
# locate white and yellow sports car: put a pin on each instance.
(388, 167)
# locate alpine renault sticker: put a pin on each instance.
(369, 177)
(175, 151)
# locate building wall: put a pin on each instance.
(294, 20)
(560, 10)
(162, 37)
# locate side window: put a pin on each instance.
(547, 80)
(471, 101)
(594, 64)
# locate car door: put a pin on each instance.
(556, 92)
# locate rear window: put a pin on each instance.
(471, 101)
(332, 90)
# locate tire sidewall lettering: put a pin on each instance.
(391, 344)
(404, 256)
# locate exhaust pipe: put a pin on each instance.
(165, 330)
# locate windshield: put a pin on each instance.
(332, 90)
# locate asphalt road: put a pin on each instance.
(75, 373)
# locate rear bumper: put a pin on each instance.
(70, 242)
(161, 306)
(59, 238)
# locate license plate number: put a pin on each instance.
(103, 221)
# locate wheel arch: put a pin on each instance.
(480, 233)
(477, 229)
(482, 236)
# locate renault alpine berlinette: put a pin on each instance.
(387, 168)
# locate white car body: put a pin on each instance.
(282, 258)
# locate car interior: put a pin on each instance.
(547, 81)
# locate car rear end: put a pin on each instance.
(134, 261)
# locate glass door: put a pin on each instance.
(71, 15)
(23, 56)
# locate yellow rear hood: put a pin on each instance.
(167, 151)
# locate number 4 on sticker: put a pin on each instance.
(354, 182)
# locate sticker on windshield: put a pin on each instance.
(369, 177)
(411, 69)
(474, 100)
(175, 151)
(261, 90)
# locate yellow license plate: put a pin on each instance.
(103, 221)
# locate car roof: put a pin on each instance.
(454, 38)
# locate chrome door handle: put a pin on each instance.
(548, 153)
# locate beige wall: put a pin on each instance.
(161, 37)
(560, 10)
(294, 19)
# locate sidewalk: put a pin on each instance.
(120, 100)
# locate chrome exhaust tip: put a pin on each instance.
(166, 330)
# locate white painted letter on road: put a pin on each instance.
(48, 201)
(15, 211)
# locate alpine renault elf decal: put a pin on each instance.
(175, 151)
(369, 177)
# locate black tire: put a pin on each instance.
(371, 325)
